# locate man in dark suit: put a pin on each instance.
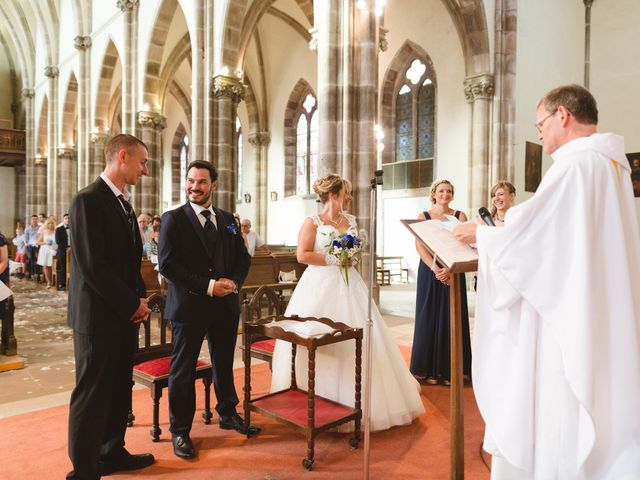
(202, 254)
(62, 241)
(106, 300)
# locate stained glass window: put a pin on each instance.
(307, 146)
(426, 117)
(404, 126)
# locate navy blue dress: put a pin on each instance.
(430, 355)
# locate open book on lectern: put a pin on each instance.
(438, 239)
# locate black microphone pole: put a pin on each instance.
(486, 216)
(377, 180)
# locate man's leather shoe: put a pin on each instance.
(183, 447)
(235, 422)
(126, 462)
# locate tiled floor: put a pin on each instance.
(45, 342)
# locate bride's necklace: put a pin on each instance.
(334, 223)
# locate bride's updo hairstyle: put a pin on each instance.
(329, 183)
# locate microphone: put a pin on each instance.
(486, 216)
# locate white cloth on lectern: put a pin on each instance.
(556, 342)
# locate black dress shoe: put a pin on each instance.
(126, 462)
(183, 447)
(235, 422)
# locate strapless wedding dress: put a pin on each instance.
(322, 292)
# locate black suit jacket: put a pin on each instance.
(105, 283)
(62, 241)
(184, 260)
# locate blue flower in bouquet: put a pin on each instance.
(346, 249)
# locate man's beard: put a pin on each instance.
(205, 199)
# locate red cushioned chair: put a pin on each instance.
(152, 359)
(264, 302)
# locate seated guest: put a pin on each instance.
(62, 240)
(21, 251)
(253, 240)
(143, 224)
(48, 249)
(151, 245)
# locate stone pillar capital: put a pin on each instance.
(51, 71)
(588, 3)
(128, 5)
(82, 42)
(224, 86)
(66, 152)
(99, 137)
(152, 120)
(28, 92)
(260, 139)
(383, 43)
(40, 160)
(479, 87)
(313, 43)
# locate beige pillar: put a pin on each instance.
(261, 141)
(130, 66)
(52, 175)
(227, 92)
(96, 158)
(198, 78)
(83, 147)
(67, 160)
(40, 184)
(478, 91)
(28, 95)
(151, 125)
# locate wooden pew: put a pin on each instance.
(150, 277)
(265, 270)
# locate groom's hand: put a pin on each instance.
(223, 287)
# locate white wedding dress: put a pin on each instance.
(322, 292)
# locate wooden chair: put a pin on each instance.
(151, 363)
(265, 301)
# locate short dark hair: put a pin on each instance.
(34, 216)
(213, 173)
(120, 141)
(65, 215)
(575, 98)
(42, 214)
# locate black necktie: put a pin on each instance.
(128, 210)
(210, 231)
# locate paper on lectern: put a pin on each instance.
(4, 291)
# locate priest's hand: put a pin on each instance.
(466, 232)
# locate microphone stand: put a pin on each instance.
(377, 180)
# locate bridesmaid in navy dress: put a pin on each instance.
(430, 355)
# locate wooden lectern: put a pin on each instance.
(458, 258)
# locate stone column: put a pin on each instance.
(30, 128)
(40, 184)
(20, 192)
(261, 141)
(198, 80)
(130, 65)
(478, 91)
(96, 158)
(147, 197)
(83, 148)
(52, 175)
(227, 92)
(327, 39)
(68, 174)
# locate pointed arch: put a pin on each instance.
(291, 114)
(180, 53)
(104, 101)
(232, 28)
(471, 23)
(68, 131)
(177, 158)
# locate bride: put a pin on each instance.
(322, 292)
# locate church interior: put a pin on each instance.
(276, 93)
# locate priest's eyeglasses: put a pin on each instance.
(540, 123)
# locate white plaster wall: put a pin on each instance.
(550, 52)
(6, 116)
(249, 180)
(429, 25)
(615, 69)
(7, 203)
(147, 15)
(177, 29)
(175, 115)
(287, 58)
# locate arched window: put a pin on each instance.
(184, 161)
(412, 165)
(307, 146)
(239, 154)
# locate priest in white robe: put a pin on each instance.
(556, 344)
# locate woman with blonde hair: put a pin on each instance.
(502, 195)
(322, 292)
(48, 248)
(430, 354)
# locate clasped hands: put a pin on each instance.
(142, 312)
(442, 274)
(223, 287)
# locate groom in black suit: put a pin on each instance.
(106, 300)
(202, 254)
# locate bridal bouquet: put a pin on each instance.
(344, 250)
